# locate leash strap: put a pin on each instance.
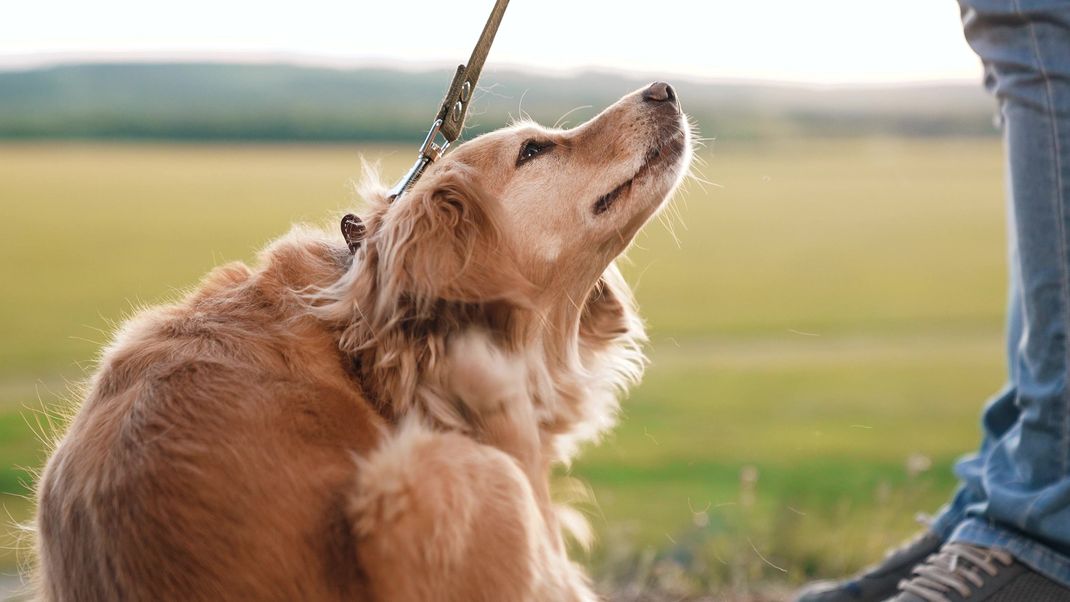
(448, 125)
(455, 106)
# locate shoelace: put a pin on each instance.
(956, 567)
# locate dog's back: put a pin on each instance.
(210, 457)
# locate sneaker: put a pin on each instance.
(878, 583)
(962, 572)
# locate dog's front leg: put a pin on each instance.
(492, 385)
(439, 517)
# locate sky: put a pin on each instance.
(806, 41)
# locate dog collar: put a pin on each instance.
(448, 123)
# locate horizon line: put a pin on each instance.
(16, 62)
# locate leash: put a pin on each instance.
(448, 124)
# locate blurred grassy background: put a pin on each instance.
(826, 325)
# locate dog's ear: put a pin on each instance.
(442, 240)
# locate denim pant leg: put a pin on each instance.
(1015, 492)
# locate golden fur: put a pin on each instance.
(378, 426)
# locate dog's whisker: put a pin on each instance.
(667, 223)
(520, 106)
(557, 124)
(491, 90)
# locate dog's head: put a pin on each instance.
(515, 232)
(530, 213)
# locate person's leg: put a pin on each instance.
(1016, 492)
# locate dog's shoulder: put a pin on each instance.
(238, 352)
(237, 319)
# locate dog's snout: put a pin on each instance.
(659, 92)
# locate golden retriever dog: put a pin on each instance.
(377, 425)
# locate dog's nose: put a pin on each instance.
(659, 92)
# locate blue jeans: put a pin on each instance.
(1015, 491)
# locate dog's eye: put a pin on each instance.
(532, 149)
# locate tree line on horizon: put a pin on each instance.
(267, 103)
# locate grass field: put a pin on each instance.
(826, 325)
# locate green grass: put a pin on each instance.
(828, 313)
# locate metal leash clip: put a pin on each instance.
(449, 122)
(430, 151)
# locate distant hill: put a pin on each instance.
(226, 102)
